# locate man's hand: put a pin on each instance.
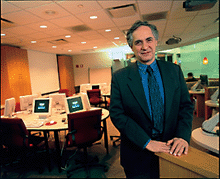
(157, 146)
(178, 146)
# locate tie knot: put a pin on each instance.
(149, 70)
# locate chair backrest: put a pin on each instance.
(87, 127)
(13, 132)
(190, 84)
(94, 96)
(66, 91)
(209, 91)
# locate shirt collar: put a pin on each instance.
(143, 68)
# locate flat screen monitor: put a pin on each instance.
(95, 86)
(204, 80)
(9, 107)
(26, 102)
(85, 87)
(76, 103)
(58, 101)
(42, 107)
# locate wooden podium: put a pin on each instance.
(196, 164)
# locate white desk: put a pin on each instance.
(210, 142)
(211, 103)
(58, 127)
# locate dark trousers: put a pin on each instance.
(151, 173)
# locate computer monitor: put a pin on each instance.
(58, 101)
(195, 86)
(42, 107)
(85, 87)
(26, 102)
(76, 103)
(95, 86)
(204, 80)
(9, 107)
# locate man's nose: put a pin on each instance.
(144, 46)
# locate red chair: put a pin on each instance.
(94, 96)
(18, 145)
(66, 91)
(84, 129)
(17, 107)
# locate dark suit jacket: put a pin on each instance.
(129, 111)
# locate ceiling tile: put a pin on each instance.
(21, 30)
(72, 6)
(21, 17)
(7, 7)
(37, 25)
(29, 4)
(40, 11)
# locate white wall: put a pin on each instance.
(86, 61)
(43, 72)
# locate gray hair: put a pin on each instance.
(138, 24)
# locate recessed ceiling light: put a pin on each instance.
(108, 30)
(93, 17)
(54, 46)
(83, 42)
(43, 26)
(2, 34)
(69, 50)
(68, 36)
(33, 41)
(116, 38)
(95, 47)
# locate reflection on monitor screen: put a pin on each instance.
(42, 107)
(95, 86)
(9, 107)
(77, 103)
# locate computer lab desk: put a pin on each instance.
(58, 126)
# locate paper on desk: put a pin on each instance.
(34, 124)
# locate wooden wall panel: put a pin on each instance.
(66, 75)
(15, 72)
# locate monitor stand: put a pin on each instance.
(42, 116)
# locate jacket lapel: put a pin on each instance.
(136, 87)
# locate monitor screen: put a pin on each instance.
(42, 107)
(204, 79)
(9, 107)
(58, 100)
(95, 86)
(85, 87)
(77, 103)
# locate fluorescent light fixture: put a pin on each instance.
(95, 47)
(69, 50)
(54, 46)
(93, 17)
(108, 30)
(83, 42)
(43, 26)
(68, 36)
(116, 38)
(33, 42)
(2, 34)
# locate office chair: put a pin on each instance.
(17, 107)
(84, 128)
(66, 91)
(94, 96)
(18, 146)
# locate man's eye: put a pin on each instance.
(137, 42)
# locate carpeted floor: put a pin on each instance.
(112, 160)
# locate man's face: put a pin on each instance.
(144, 45)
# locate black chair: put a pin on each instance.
(84, 130)
(18, 147)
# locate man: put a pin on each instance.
(190, 77)
(131, 108)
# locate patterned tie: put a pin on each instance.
(156, 101)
